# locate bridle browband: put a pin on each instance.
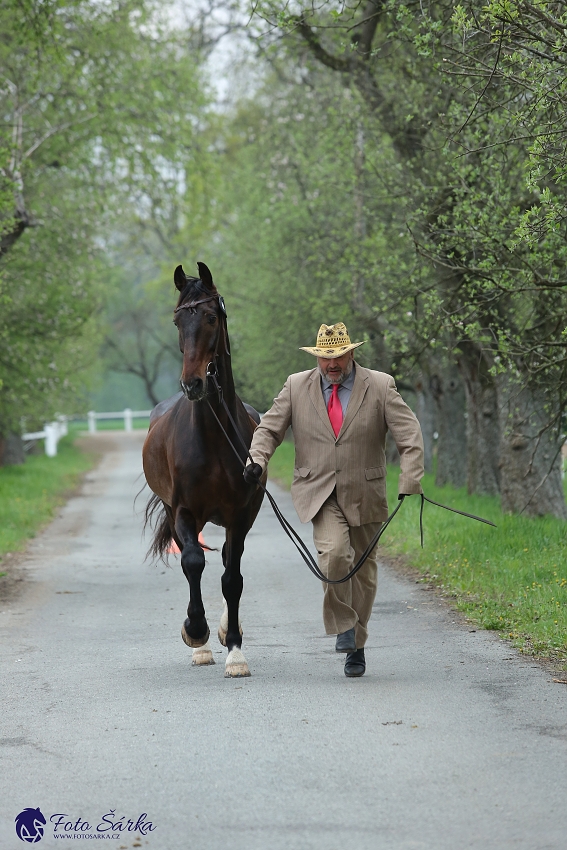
(192, 305)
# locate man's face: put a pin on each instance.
(337, 369)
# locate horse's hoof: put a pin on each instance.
(236, 666)
(194, 642)
(202, 655)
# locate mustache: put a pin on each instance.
(335, 374)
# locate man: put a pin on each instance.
(340, 413)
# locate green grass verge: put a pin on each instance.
(282, 463)
(512, 578)
(30, 494)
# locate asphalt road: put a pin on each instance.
(450, 741)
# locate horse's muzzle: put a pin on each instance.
(194, 389)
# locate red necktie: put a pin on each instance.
(335, 410)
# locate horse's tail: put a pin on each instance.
(161, 543)
(160, 526)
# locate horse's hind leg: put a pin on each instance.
(195, 631)
(236, 665)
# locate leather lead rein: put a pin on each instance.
(289, 530)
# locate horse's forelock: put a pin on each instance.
(193, 287)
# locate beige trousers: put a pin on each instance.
(339, 547)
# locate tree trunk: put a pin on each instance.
(426, 414)
(449, 394)
(11, 450)
(530, 452)
(483, 424)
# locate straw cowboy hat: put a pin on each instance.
(332, 341)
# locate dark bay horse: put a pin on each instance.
(192, 470)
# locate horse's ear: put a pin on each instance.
(180, 278)
(206, 276)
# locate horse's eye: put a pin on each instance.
(211, 319)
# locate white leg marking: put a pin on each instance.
(202, 655)
(223, 625)
(236, 665)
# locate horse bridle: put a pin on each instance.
(192, 306)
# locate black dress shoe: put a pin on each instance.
(355, 664)
(345, 641)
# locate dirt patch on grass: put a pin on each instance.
(13, 582)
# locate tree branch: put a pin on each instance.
(8, 239)
(319, 52)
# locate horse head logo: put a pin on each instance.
(29, 825)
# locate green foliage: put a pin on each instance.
(501, 229)
(140, 339)
(109, 89)
(48, 339)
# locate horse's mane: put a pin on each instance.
(193, 287)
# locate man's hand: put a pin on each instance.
(252, 473)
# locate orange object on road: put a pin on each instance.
(173, 548)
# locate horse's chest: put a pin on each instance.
(212, 491)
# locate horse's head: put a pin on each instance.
(198, 317)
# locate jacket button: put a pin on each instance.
(337, 470)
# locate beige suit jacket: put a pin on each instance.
(355, 462)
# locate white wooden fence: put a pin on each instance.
(52, 433)
(127, 415)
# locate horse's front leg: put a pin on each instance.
(223, 625)
(236, 665)
(195, 630)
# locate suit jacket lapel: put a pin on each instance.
(356, 397)
(319, 402)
